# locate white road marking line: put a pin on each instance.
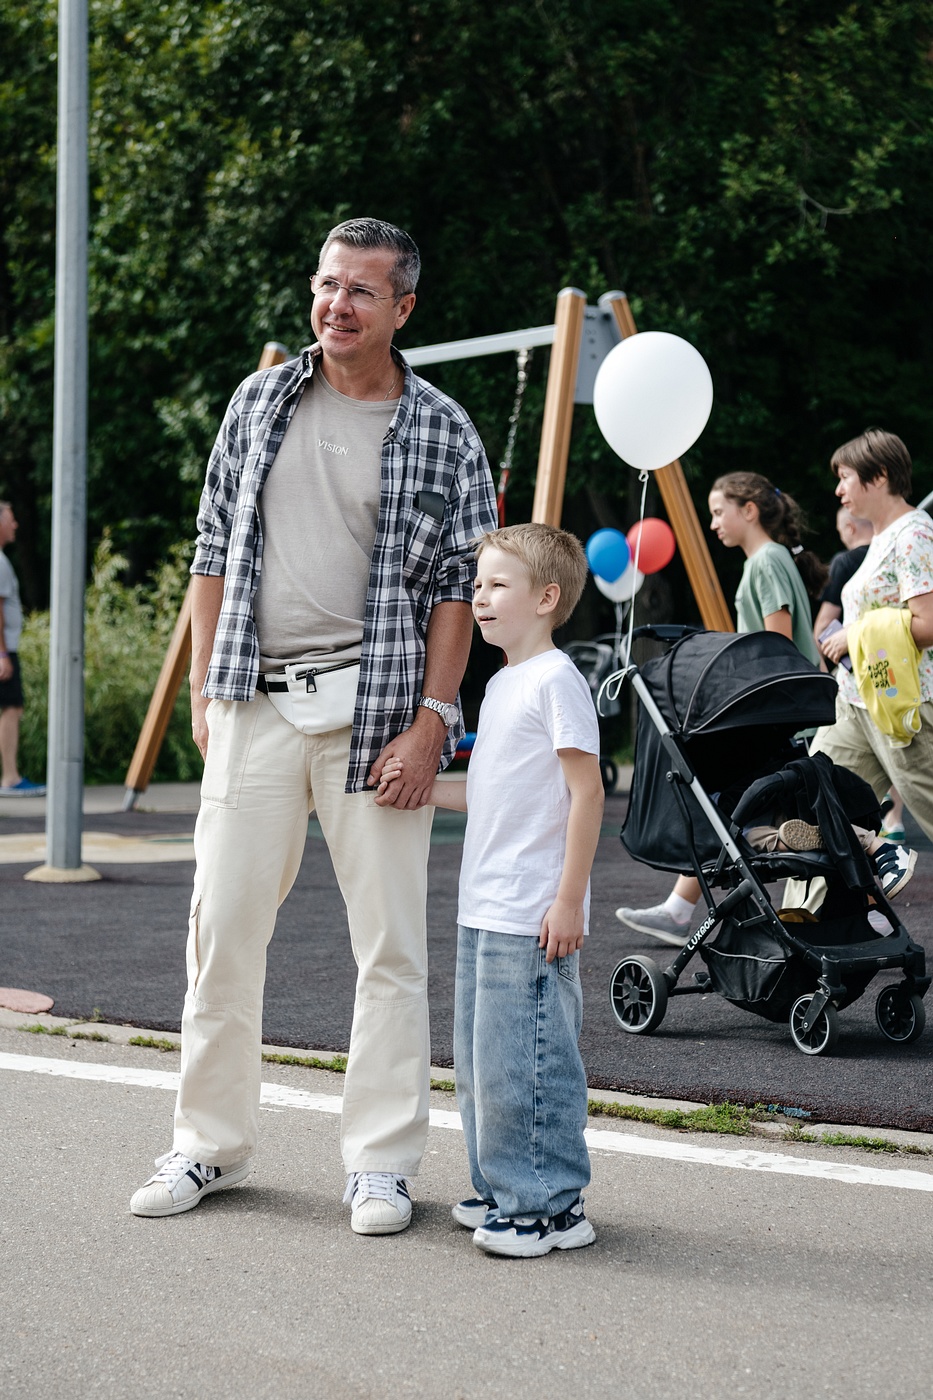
(280, 1096)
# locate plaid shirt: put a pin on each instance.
(431, 456)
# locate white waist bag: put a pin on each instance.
(315, 699)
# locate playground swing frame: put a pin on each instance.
(580, 338)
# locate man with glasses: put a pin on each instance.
(331, 626)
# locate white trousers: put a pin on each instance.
(261, 779)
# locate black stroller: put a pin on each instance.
(717, 714)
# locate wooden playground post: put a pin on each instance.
(681, 512)
(155, 725)
(558, 407)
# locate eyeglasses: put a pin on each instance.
(359, 296)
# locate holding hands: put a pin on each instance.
(391, 772)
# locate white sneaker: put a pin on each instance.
(894, 866)
(471, 1213)
(379, 1203)
(179, 1184)
(528, 1236)
(657, 923)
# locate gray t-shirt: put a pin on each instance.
(12, 608)
(319, 509)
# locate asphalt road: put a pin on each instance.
(117, 945)
(710, 1280)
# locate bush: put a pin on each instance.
(126, 635)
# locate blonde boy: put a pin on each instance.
(534, 800)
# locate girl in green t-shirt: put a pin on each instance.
(750, 514)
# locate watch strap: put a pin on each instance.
(444, 708)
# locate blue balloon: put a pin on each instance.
(608, 554)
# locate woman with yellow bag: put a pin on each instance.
(884, 711)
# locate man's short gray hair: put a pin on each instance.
(376, 233)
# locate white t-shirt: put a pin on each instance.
(518, 801)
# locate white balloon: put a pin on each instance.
(652, 398)
(622, 588)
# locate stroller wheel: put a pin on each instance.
(901, 1015)
(638, 992)
(822, 1035)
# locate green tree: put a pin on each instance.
(754, 176)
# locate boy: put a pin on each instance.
(534, 798)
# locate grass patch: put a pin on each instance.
(338, 1064)
(730, 1118)
(867, 1144)
(151, 1042)
(44, 1030)
(87, 1035)
(447, 1086)
(797, 1134)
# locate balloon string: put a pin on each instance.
(612, 685)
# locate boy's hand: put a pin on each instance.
(562, 929)
(391, 770)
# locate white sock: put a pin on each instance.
(680, 910)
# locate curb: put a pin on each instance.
(777, 1129)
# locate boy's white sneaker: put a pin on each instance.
(471, 1214)
(179, 1184)
(379, 1203)
(528, 1236)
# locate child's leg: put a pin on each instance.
(529, 1082)
(464, 1015)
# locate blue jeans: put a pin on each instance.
(521, 1086)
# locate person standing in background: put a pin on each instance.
(856, 536)
(12, 783)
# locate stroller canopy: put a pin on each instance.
(734, 700)
(714, 681)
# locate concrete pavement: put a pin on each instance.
(707, 1281)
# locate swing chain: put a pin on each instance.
(522, 360)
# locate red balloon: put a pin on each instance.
(653, 542)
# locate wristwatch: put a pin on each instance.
(448, 713)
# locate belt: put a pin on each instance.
(276, 681)
(266, 685)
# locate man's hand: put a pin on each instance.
(199, 721)
(836, 646)
(562, 929)
(6, 668)
(418, 749)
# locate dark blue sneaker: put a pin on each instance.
(24, 788)
(526, 1236)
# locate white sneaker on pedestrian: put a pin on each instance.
(656, 922)
(894, 866)
(179, 1184)
(379, 1203)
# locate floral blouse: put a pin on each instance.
(898, 566)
